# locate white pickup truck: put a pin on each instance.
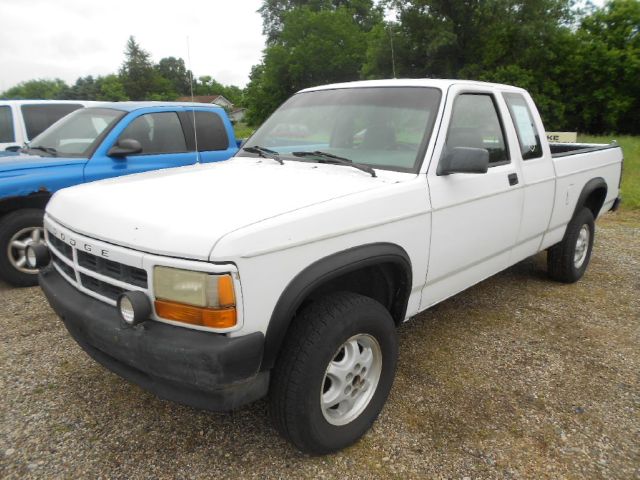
(287, 269)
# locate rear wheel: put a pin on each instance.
(334, 373)
(18, 230)
(568, 260)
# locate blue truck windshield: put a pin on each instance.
(77, 134)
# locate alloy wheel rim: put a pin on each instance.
(17, 248)
(351, 379)
(582, 246)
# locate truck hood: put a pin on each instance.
(183, 212)
(11, 162)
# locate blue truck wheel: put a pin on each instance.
(18, 230)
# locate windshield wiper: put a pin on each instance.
(324, 157)
(50, 150)
(265, 153)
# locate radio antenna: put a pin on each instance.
(193, 106)
(393, 55)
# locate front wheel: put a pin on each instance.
(18, 230)
(334, 373)
(568, 260)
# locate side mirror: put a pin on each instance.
(464, 160)
(124, 147)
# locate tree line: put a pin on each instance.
(138, 79)
(582, 65)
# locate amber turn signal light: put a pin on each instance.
(226, 296)
(203, 317)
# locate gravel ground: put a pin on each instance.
(517, 377)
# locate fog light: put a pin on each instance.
(37, 255)
(134, 307)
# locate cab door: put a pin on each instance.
(476, 216)
(163, 146)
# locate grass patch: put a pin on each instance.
(243, 131)
(631, 175)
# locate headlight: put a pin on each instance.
(194, 297)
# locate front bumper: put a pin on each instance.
(201, 369)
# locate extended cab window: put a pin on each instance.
(157, 133)
(528, 135)
(211, 131)
(39, 117)
(475, 124)
(6, 125)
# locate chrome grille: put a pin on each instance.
(115, 270)
(64, 267)
(97, 276)
(101, 288)
(62, 247)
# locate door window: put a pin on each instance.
(528, 135)
(6, 125)
(157, 133)
(475, 124)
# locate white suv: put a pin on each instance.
(22, 120)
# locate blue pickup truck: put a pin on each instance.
(107, 140)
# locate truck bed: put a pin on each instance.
(565, 149)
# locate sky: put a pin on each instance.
(71, 38)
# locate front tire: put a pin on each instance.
(18, 230)
(334, 373)
(568, 260)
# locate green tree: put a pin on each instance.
(313, 48)
(174, 70)
(37, 89)
(605, 83)
(207, 85)
(520, 42)
(111, 89)
(137, 73)
(364, 12)
(85, 88)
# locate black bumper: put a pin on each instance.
(201, 369)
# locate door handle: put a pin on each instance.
(513, 179)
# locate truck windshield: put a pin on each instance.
(77, 134)
(384, 127)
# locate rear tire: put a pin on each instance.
(17, 230)
(334, 373)
(568, 260)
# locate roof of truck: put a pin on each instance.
(131, 106)
(48, 102)
(410, 82)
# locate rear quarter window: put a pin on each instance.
(7, 133)
(528, 135)
(39, 117)
(211, 132)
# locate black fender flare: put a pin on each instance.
(324, 270)
(590, 187)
